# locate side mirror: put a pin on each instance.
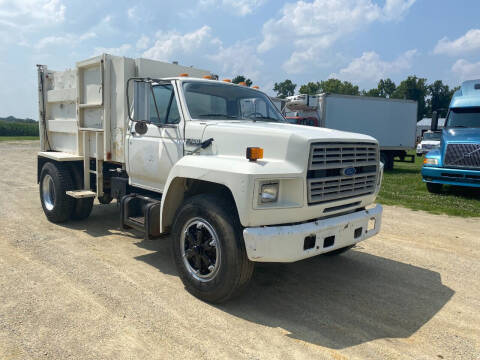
(434, 125)
(141, 127)
(138, 91)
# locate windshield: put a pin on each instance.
(464, 118)
(207, 100)
(432, 136)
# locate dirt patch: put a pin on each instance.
(88, 290)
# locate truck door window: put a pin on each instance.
(166, 105)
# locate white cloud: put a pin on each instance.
(370, 67)
(466, 43)
(238, 59)
(466, 70)
(67, 39)
(122, 50)
(132, 13)
(314, 26)
(143, 42)
(172, 43)
(31, 12)
(239, 7)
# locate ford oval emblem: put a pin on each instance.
(349, 171)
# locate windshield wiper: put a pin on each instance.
(263, 118)
(218, 115)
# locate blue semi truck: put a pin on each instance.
(457, 161)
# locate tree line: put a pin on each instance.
(430, 97)
(12, 126)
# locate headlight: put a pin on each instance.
(430, 161)
(269, 192)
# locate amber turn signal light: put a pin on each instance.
(184, 75)
(227, 80)
(208, 77)
(254, 153)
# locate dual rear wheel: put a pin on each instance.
(55, 180)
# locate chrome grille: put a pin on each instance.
(341, 155)
(326, 181)
(463, 155)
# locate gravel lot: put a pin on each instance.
(86, 290)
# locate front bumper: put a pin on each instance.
(285, 243)
(446, 176)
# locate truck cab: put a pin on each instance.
(457, 160)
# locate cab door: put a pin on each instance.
(153, 154)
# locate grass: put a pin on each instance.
(14, 138)
(404, 187)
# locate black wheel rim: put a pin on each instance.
(200, 249)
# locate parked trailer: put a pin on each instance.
(211, 163)
(391, 121)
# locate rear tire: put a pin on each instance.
(339, 251)
(209, 250)
(55, 180)
(434, 188)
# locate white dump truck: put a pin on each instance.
(211, 163)
(393, 122)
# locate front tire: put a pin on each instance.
(434, 188)
(208, 249)
(55, 180)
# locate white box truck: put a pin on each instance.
(211, 163)
(393, 122)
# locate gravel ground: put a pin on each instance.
(86, 290)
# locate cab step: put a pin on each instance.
(141, 213)
(81, 194)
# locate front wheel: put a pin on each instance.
(434, 188)
(209, 250)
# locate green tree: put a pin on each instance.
(386, 87)
(372, 92)
(440, 95)
(413, 88)
(312, 88)
(285, 88)
(335, 86)
(240, 78)
(332, 86)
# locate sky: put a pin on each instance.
(268, 41)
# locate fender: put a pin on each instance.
(233, 172)
(230, 172)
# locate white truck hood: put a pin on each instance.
(280, 141)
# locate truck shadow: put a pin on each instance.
(335, 302)
(343, 301)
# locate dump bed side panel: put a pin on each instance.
(61, 111)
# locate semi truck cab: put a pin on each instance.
(457, 161)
